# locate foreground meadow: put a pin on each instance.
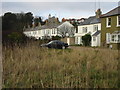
(78, 67)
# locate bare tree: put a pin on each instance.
(66, 29)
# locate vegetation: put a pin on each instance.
(86, 39)
(16, 21)
(13, 25)
(34, 67)
(56, 37)
(38, 20)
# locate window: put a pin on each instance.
(34, 32)
(108, 38)
(118, 20)
(39, 32)
(48, 31)
(115, 38)
(84, 29)
(95, 28)
(57, 30)
(54, 31)
(108, 22)
(94, 38)
(119, 38)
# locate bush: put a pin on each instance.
(17, 37)
(86, 39)
(56, 37)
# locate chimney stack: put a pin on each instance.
(98, 13)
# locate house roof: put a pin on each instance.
(113, 12)
(49, 26)
(96, 33)
(66, 23)
(90, 20)
(43, 27)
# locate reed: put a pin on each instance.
(31, 66)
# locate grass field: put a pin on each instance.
(77, 67)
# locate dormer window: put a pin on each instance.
(108, 22)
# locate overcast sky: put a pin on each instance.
(58, 9)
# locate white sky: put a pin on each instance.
(59, 0)
(68, 9)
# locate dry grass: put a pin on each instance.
(33, 67)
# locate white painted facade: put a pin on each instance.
(85, 29)
(39, 34)
(95, 41)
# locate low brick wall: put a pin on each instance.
(69, 40)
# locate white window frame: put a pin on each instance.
(95, 28)
(115, 38)
(107, 22)
(39, 32)
(118, 24)
(94, 38)
(84, 29)
(52, 31)
(55, 31)
(108, 38)
(118, 38)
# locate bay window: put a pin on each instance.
(115, 38)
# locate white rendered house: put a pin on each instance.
(47, 31)
(91, 26)
(42, 32)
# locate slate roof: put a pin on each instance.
(113, 12)
(49, 26)
(96, 33)
(90, 20)
(43, 27)
(66, 23)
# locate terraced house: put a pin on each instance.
(52, 27)
(110, 29)
(91, 26)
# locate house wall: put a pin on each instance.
(42, 33)
(78, 40)
(90, 28)
(110, 30)
(97, 41)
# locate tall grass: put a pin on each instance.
(34, 67)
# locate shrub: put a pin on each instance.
(86, 39)
(56, 37)
(17, 37)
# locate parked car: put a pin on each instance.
(56, 44)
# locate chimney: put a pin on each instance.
(98, 13)
(49, 16)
